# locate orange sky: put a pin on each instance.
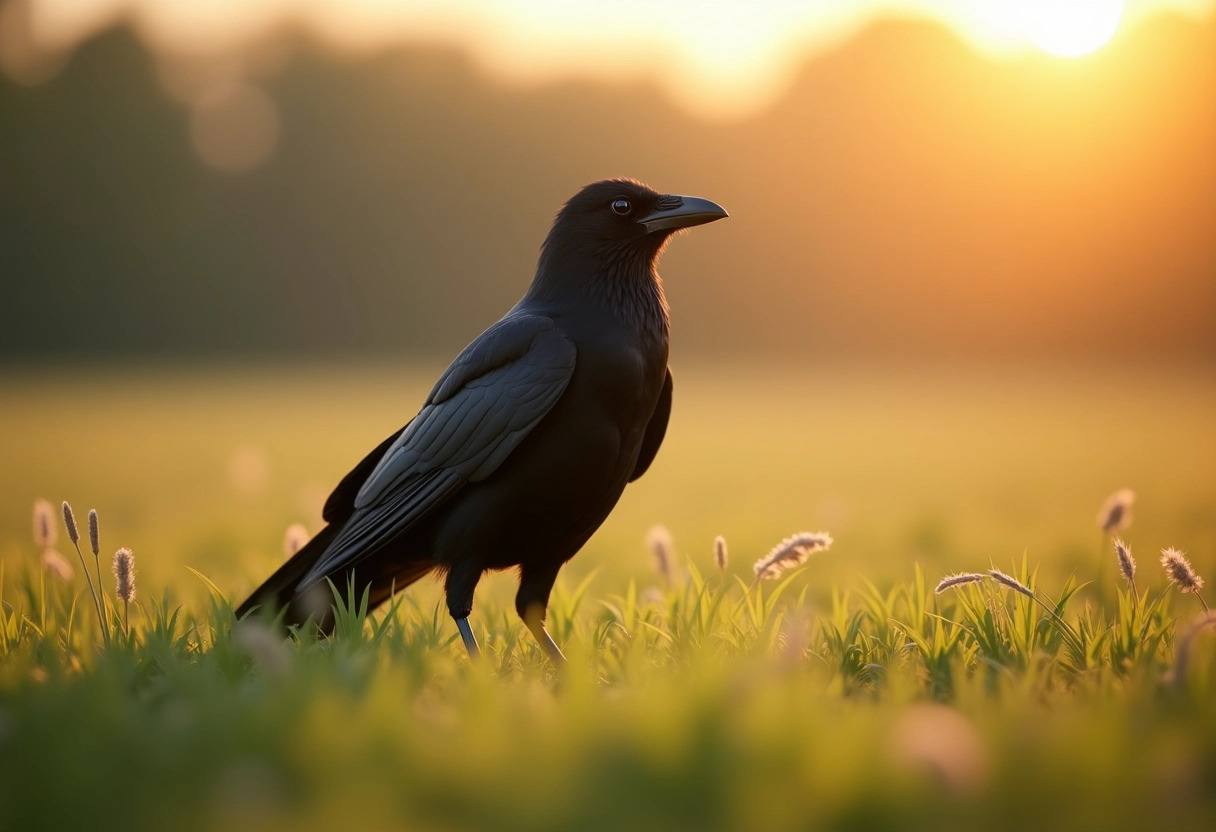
(716, 57)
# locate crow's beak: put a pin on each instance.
(681, 212)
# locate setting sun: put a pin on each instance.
(1069, 28)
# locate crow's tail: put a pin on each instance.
(280, 592)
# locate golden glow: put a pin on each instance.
(716, 57)
(1069, 28)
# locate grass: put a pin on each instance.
(846, 693)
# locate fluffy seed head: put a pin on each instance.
(951, 581)
(939, 741)
(69, 520)
(791, 552)
(659, 541)
(720, 556)
(1010, 581)
(1127, 564)
(94, 534)
(263, 646)
(124, 575)
(45, 533)
(57, 565)
(1178, 570)
(294, 539)
(1116, 513)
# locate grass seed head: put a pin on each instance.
(124, 575)
(69, 521)
(951, 581)
(263, 646)
(1116, 512)
(662, 548)
(94, 533)
(294, 539)
(720, 556)
(791, 552)
(1127, 564)
(939, 741)
(57, 565)
(1178, 569)
(45, 533)
(1010, 581)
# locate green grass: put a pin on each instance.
(844, 695)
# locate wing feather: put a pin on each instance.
(483, 406)
(656, 429)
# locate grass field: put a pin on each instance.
(847, 695)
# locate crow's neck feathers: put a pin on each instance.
(619, 276)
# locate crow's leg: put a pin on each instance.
(531, 603)
(534, 617)
(461, 582)
(466, 634)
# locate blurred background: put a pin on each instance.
(262, 177)
(967, 289)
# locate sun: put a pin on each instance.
(1068, 28)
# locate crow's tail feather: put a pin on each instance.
(280, 592)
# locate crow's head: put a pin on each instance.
(620, 222)
(615, 210)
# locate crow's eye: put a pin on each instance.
(621, 207)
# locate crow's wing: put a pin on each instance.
(341, 502)
(656, 429)
(483, 406)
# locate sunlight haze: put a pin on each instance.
(719, 59)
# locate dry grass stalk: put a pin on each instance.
(791, 552)
(1181, 574)
(69, 522)
(94, 533)
(294, 539)
(45, 533)
(124, 582)
(721, 558)
(952, 581)
(662, 549)
(95, 545)
(1011, 582)
(1127, 564)
(1019, 587)
(1116, 513)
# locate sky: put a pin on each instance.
(1040, 181)
(717, 58)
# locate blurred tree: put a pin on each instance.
(906, 196)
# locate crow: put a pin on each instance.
(527, 440)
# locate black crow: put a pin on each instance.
(526, 442)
